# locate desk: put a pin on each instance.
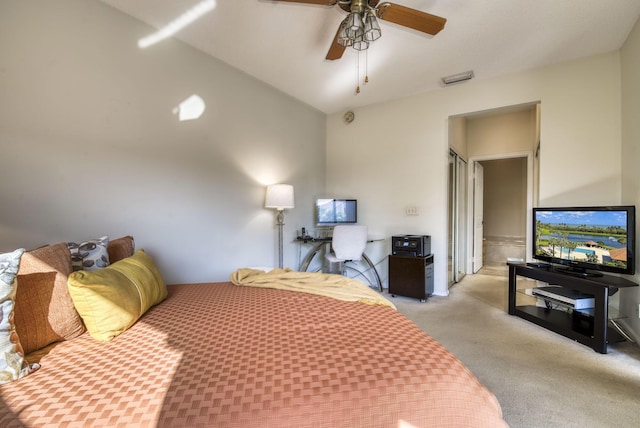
(319, 243)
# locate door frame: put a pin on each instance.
(471, 203)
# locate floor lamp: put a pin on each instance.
(280, 197)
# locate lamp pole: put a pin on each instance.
(280, 223)
(280, 197)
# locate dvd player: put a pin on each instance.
(565, 296)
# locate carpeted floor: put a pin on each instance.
(541, 379)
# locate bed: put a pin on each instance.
(228, 355)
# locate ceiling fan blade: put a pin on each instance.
(336, 50)
(323, 2)
(411, 18)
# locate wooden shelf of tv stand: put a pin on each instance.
(601, 287)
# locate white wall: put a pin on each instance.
(501, 133)
(90, 146)
(395, 154)
(458, 136)
(630, 54)
(505, 199)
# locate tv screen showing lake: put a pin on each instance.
(608, 241)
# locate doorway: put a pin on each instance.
(505, 141)
(503, 199)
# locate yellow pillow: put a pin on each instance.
(111, 300)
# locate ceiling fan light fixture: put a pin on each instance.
(454, 79)
(346, 42)
(343, 39)
(355, 26)
(360, 44)
(371, 28)
(362, 21)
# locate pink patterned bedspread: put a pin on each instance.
(220, 355)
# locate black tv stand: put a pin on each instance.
(578, 272)
(589, 327)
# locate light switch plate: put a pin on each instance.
(411, 210)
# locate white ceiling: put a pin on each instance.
(284, 44)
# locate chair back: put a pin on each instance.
(349, 242)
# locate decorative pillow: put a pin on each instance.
(121, 248)
(111, 300)
(44, 311)
(89, 255)
(13, 365)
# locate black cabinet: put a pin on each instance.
(589, 327)
(411, 276)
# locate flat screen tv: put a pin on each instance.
(331, 212)
(587, 240)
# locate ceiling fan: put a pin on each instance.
(360, 27)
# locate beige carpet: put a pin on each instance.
(541, 379)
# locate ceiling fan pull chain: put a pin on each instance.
(366, 66)
(358, 73)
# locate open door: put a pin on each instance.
(478, 218)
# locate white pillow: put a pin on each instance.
(13, 365)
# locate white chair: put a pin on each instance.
(348, 244)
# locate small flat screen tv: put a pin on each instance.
(332, 212)
(587, 240)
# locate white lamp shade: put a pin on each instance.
(279, 196)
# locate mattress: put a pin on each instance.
(221, 355)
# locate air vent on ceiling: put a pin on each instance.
(454, 79)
